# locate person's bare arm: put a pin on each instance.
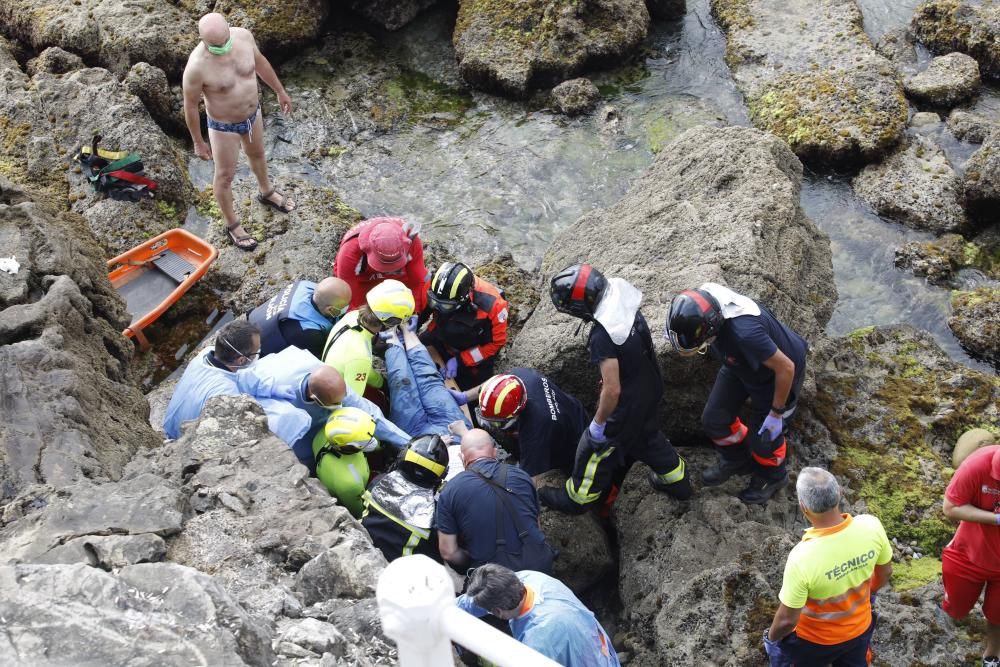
(270, 77)
(192, 85)
(969, 513)
(881, 576)
(611, 390)
(450, 551)
(784, 373)
(785, 620)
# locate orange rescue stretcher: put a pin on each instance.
(152, 276)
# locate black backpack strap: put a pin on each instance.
(502, 492)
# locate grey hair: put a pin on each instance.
(493, 586)
(818, 490)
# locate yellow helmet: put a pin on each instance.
(350, 430)
(391, 301)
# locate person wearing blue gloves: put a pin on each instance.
(626, 423)
(543, 614)
(763, 360)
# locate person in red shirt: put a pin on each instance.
(971, 561)
(381, 248)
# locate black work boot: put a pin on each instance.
(681, 489)
(760, 489)
(725, 469)
(559, 500)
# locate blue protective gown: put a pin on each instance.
(202, 380)
(558, 625)
(285, 375)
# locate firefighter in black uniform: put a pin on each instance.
(763, 360)
(468, 323)
(399, 506)
(531, 417)
(626, 424)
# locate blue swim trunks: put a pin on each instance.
(242, 127)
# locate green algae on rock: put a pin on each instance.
(971, 27)
(894, 405)
(811, 76)
(515, 46)
(975, 321)
(914, 573)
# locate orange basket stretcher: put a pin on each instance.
(152, 276)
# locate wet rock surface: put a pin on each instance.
(970, 126)
(981, 180)
(916, 185)
(899, 46)
(49, 116)
(297, 245)
(233, 514)
(737, 187)
(112, 34)
(811, 76)
(70, 407)
(159, 613)
(894, 405)
(975, 320)
(947, 81)
(702, 585)
(390, 14)
(969, 26)
(575, 96)
(514, 46)
(953, 261)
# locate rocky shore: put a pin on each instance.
(119, 547)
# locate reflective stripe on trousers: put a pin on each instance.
(675, 475)
(737, 433)
(582, 496)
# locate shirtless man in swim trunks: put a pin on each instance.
(224, 68)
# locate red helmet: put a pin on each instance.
(502, 398)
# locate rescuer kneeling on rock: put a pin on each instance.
(399, 506)
(301, 314)
(825, 616)
(626, 421)
(761, 359)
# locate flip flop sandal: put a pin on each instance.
(245, 242)
(264, 198)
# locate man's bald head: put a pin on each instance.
(326, 386)
(477, 444)
(213, 29)
(331, 294)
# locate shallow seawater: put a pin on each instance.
(483, 175)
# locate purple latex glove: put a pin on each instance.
(597, 431)
(459, 396)
(772, 425)
(451, 368)
(411, 324)
(776, 657)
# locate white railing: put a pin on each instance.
(416, 600)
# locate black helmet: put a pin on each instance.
(451, 287)
(425, 460)
(577, 290)
(695, 317)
